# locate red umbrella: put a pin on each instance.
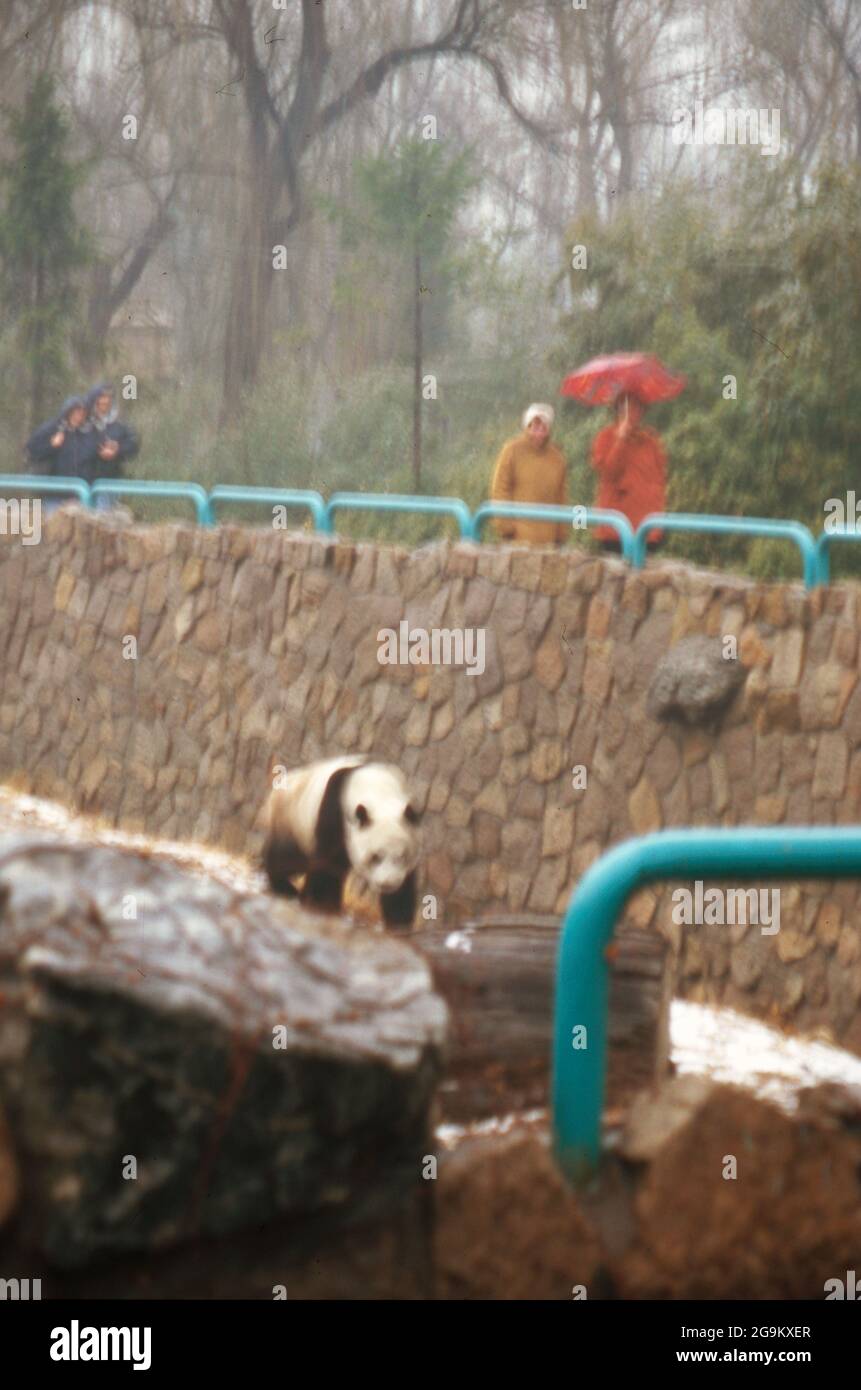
(635, 373)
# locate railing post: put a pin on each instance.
(534, 511)
(581, 981)
(734, 525)
(397, 502)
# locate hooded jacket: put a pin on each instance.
(99, 422)
(527, 473)
(75, 457)
(107, 427)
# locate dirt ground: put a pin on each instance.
(677, 1227)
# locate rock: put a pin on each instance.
(769, 1226)
(832, 761)
(480, 596)
(786, 662)
(417, 727)
(508, 1225)
(644, 808)
(443, 722)
(211, 632)
(663, 763)
(64, 590)
(693, 682)
(834, 1105)
(547, 884)
(598, 675)
(824, 695)
(547, 761)
(558, 831)
(828, 924)
(656, 1115)
(719, 783)
(769, 810)
(782, 711)
(550, 662)
(538, 616)
(192, 574)
(156, 1038)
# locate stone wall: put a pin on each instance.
(254, 645)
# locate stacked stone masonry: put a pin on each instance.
(254, 646)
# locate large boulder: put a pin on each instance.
(178, 1059)
(694, 681)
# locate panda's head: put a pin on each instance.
(381, 826)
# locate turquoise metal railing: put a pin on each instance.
(823, 548)
(732, 525)
(399, 502)
(273, 497)
(588, 516)
(35, 482)
(814, 553)
(582, 969)
(144, 487)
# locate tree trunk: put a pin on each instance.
(500, 992)
(37, 389)
(417, 374)
(251, 281)
(246, 312)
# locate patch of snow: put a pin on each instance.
(728, 1047)
(458, 941)
(22, 813)
(450, 1135)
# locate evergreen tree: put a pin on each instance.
(758, 304)
(41, 244)
(405, 207)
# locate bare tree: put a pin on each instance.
(296, 94)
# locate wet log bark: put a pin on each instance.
(498, 976)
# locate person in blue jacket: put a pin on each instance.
(65, 446)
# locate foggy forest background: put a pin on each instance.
(305, 125)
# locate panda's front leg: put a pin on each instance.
(399, 908)
(282, 859)
(324, 890)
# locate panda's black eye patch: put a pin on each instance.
(412, 815)
(362, 816)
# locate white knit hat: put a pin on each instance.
(544, 412)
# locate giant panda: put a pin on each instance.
(341, 814)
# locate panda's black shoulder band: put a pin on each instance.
(330, 829)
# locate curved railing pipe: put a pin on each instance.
(273, 497)
(37, 482)
(731, 525)
(823, 547)
(400, 502)
(145, 487)
(535, 511)
(582, 969)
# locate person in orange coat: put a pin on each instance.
(631, 465)
(532, 469)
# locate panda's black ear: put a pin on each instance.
(412, 815)
(362, 816)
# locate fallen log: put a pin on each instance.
(498, 977)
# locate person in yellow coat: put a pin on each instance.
(531, 469)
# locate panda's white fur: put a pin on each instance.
(341, 814)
